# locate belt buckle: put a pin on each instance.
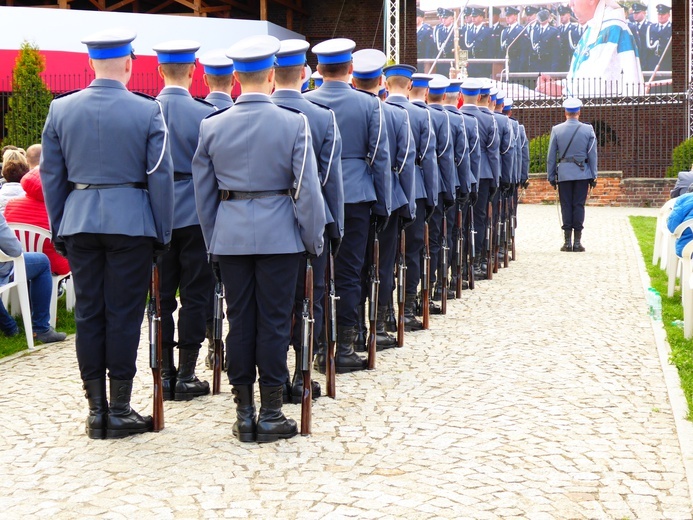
(225, 195)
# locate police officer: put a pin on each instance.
(641, 27)
(425, 46)
(368, 70)
(507, 149)
(569, 34)
(532, 27)
(258, 216)
(546, 56)
(444, 39)
(402, 81)
(106, 154)
(290, 74)
(477, 40)
(571, 163)
(496, 30)
(660, 35)
(185, 268)
(218, 77)
(514, 42)
(367, 186)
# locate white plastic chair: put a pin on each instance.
(33, 239)
(20, 282)
(687, 286)
(661, 233)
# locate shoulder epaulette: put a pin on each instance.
(66, 94)
(204, 102)
(319, 104)
(217, 112)
(292, 109)
(142, 94)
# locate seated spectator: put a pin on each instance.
(40, 287)
(31, 209)
(14, 166)
(33, 155)
(682, 211)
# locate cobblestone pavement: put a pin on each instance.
(540, 396)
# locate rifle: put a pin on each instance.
(444, 266)
(374, 284)
(489, 239)
(401, 281)
(307, 349)
(217, 326)
(425, 281)
(155, 347)
(497, 237)
(459, 250)
(330, 324)
(506, 231)
(513, 222)
(471, 247)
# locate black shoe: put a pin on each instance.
(122, 419)
(168, 374)
(383, 340)
(95, 392)
(245, 427)
(296, 387)
(567, 246)
(577, 245)
(345, 359)
(272, 425)
(411, 322)
(434, 308)
(361, 330)
(390, 319)
(188, 386)
(49, 336)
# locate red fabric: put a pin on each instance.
(31, 209)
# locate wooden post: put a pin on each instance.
(263, 9)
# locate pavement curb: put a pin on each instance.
(679, 405)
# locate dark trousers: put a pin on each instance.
(413, 237)
(259, 297)
(185, 268)
(350, 260)
(480, 216)
(319, 268)
(453, 234)
(111, 274)
(573, 195)
(435, 230)
(387, 248)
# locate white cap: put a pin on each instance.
(254, 53)
(438, 84)
(368, 63)
(572, 104)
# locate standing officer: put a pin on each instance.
(289, 74)
(185, 267)
(641, 27)
(496, 30)
(425, 46)
(401, 81)
(569, 35)
(571, 163)
(546, 44)
(660, 35)
(445, 39)
(218, 77)
(367, 186)
(106, 154)
(477, 40)
(514, 42)
(260, 207)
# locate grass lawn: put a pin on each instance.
(65, 323)
(681, 349)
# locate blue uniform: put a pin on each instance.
(478, 42)
(425, 46)
(547, 50)
(105, 135)
(445, 42)
(518, 52)
(257, 152)
(219, 99)
(569, 35)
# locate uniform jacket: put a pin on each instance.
(183, 114)
(518, 52)
(659, 37)
(682, 211)
(402, 157)
(31, 209)
(506, 147)
(440, 35)
(524, 171)
(472, 127)
(258, 146)
(517, 146)
(365, 154)
(489, 142)
(105, 134)
(478, 42)
(569, 36)
(445, 148)
(426, 171)
(582, 149)
(219, 99)
(461, 149)
(327, 146)
(547, 52)
(494, 41)
(426, 47)
(10, 245)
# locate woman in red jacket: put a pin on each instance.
(31, 209)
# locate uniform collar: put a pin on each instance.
(253, 97)
(397, 98)
(219, 94)
(111, 83)
(287, 93)
(330, 84)
(175, 90)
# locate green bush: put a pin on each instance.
(538, 148)
(681, 158)
(28, 105)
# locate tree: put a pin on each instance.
(681, 158)
(28, 105)
(538, 149)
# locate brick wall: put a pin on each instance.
(611, 190)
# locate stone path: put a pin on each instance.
(540, 396)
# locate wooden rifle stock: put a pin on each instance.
(425, 280)
(506, 231)
(513, 222)
(155, 348)
(444, 266)
(401, 287)
(330, 325)
(489, 239)
(374, 280)
(471, 247)
(498, 229)
(217, 326)
(307, 350)
(459, 248)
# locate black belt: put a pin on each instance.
(250, 195)
(138, 185)
(180, 176)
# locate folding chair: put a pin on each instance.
(661, 233)
(19, 282)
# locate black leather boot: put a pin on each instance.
(361, 329)
(321, 353)
(411, 322)
(188, 386)
(95, 392)
(272, 425)
(123, 420)
(390, 319)
(383, 340)
(577, 246)
(567, 246)
(297, 382)
(479, 269)
(245, 427)
(168, 374)
(345, 359)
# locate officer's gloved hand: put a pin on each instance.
(161, 249)
(473, 197)
(593, 183)
(505, 188)
(335, 244)
(462, 197)
(492, 191)
(380, 222)
(554, 185)
(448, 203)
(429, 212)
(525, 184)
(309, 256)
(59, 247)
(405, 222)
